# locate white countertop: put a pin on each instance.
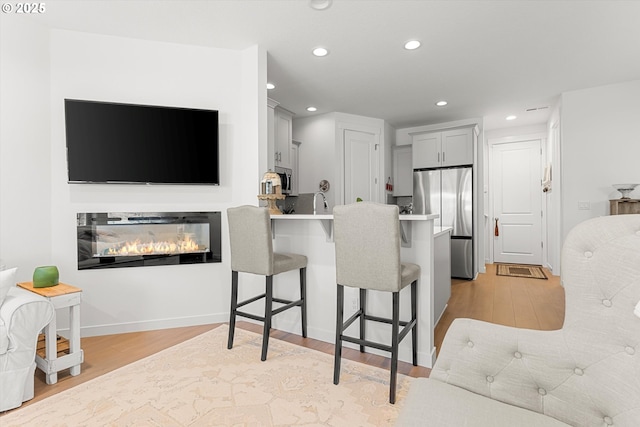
(330, 216)
(437, 230)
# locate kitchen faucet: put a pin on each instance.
(324, 201)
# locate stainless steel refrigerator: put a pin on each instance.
(449, 193)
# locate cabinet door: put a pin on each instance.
(457, 147)
(283, 122)
(402, 171)
(295, 167)
(426, 150)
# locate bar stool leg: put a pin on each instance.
(363, 313)
(395, 326)
(268, 313)
(234, 307)
(339, 329)
(414, 316)
(303, 297)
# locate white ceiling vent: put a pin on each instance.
(537, 108)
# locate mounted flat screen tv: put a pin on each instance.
(140, 144)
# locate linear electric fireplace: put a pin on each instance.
(142, 239)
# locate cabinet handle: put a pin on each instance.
(443, 160)
(438, 157)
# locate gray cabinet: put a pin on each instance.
(295, 167)
(402, 171)
(283, 121)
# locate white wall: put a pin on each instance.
(25, 152)
(600, 147)
(515, 131)
(316, 156)
(87, 66)
(320, 154)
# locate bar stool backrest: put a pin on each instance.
(250, 240)
(367, 239)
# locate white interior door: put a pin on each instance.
(360, 166)
(517, 206)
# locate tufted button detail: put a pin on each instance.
(588, 254)
(606, 302)
(630, 350)
(608, 421)
(542, 392)
(578, 371)
(489, 379)
(470, 343)
(517, 355)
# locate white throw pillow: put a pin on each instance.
(7, 280)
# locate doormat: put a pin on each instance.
(518, 270)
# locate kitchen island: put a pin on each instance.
(312, 235)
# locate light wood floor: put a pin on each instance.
(510, 301)
(524, 303)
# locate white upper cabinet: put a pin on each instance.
(457, 147)
(283, 137)
(453, 147)
(402, 171)
(427, 150)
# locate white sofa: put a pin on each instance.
(23, 314)
(585, 374)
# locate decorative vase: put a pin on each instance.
(45, 276)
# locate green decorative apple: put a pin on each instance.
(45, 276)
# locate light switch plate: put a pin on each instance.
(584, 206)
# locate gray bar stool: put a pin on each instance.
(252, 252)
(367, 238)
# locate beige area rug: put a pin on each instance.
(518, 270)
(201, 383)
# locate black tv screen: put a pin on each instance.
(140, 144)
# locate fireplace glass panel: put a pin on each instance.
(107, 240)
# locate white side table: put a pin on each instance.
(62, 296)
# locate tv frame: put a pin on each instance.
(143, 182)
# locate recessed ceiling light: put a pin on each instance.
(320, 51)
(441, 103)
(312, 109)
(412, 44)
(271, 86)
(511, 117)
(320, 4)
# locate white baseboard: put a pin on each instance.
(151, 325)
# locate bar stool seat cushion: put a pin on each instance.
(286, 262)
(409, 273)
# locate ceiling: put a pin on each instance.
(488, 59)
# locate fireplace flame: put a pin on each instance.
(138, 247)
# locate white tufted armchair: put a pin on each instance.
(585, 374)
(23, 314)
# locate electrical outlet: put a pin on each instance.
(584, 206)
(354, 303)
